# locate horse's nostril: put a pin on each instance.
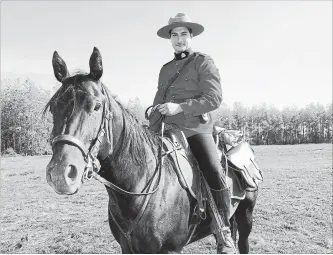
(71, 172)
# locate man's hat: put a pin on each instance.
(180, 20)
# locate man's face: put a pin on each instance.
(181, 39)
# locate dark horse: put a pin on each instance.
(149, 211)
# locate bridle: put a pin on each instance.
(93, 165)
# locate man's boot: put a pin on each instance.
(223, 202)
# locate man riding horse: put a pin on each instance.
(189, 88)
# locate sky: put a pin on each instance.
(274, 52)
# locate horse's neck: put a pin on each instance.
(123, 169)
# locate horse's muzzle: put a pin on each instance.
(66, 183)
(64, 172)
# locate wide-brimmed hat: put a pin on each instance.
(180, 20)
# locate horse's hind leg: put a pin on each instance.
(244, 218)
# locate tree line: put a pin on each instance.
(23, 129)
(26, 132)
(266, 124)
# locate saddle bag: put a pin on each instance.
(241, 159)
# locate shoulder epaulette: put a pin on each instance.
(202, 54)
(167, 63)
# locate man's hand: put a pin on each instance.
(169, 109)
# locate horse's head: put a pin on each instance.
(79, 115)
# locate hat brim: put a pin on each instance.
(197, 29)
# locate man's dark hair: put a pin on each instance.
(189, 29)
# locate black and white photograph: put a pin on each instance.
(194, 127)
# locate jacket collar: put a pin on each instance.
(183, 55)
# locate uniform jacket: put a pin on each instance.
(198, 90)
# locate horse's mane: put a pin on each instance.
(134, 136)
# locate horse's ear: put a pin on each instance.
(95, 64)
(59, 67)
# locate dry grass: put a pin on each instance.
(293, 213)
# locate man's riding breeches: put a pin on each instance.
(204, 150)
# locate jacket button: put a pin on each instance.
(186, 79)
(172, 86)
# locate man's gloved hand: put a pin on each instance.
(169, 109)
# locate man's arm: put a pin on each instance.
(210, 88)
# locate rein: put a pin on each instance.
(124, 192)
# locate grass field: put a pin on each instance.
(293, 212)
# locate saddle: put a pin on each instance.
(242, 171)
(187, 169)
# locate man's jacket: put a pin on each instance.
(198, 90)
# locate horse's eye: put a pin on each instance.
(97, 106)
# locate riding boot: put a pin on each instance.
(223, 202)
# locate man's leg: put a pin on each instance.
(204, 150)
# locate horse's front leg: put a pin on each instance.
(125, 249)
